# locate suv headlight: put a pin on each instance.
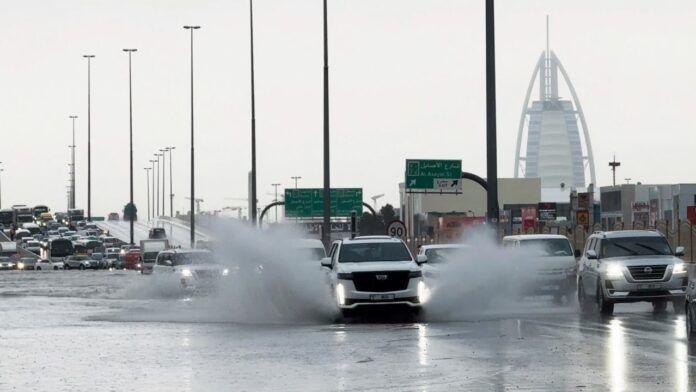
(614, 271)
(340, 294)
(186, 273)
(225, 272)
(679, 268)
(20, 265)
(423, 292)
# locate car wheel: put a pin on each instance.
(82, 267)
(38, 268)
(606, 308)
(55, 268)
(659, 306)
(690, 331)
(679, 305)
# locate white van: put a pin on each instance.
(552, 260)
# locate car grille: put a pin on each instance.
(654, 272)
(368, 281)
(207, 274)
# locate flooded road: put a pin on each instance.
(103, 331)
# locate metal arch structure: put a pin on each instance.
(545, 69)
(282, 203)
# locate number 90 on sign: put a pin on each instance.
(396, 228)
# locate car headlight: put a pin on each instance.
(186, 273)
(679, 268)
(614, 271)
(20, 265)
(340, 294)
(423, 292)
(225, 272)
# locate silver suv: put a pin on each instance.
(630, 266)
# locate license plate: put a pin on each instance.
(649, 286)
(381, 297)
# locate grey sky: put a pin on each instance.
(407, 81)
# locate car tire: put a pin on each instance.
(82, 267)
(606, 308)
(679, 306)
(690, 330)
(55, 268)
(659, 306)
(38, 268)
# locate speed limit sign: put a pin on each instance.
(396, 228)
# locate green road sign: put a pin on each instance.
(434, 174)
(309, 202)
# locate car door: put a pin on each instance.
(592, 269)
(584, 268)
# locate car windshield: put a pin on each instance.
(78, 258)
(193, 258)
(550, 246)
(635, 246)
(371, 251)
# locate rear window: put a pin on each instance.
(373, 251)
(550, 246)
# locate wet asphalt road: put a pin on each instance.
(92, 331)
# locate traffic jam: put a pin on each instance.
(367, 273)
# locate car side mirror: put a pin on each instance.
(421, 259)
(326, 262)
(679, 251)
(578, 253)
(591, 254)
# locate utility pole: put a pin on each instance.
(130, 106)
(164, 177)
(613, 164)
(89, 58)
(326, 226)
(157, 209)
(152, 161)
(1, 170)
(491, 126)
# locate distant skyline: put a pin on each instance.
(407, 81)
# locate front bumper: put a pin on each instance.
(354, 298)
(553, 285)
(621, 290)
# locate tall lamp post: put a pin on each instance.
(295, 178)
(89, 58)
(326, 228)
(152, 161)
(147, 184)
(158, 184)
(193, 193)
(171, 191)
(491, 127)
(1, 170)
(72, 165)
(253, 118)
(164, 177)
(130, 109)
(276, 200)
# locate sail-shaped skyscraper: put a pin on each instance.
(558, 148)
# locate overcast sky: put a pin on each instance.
(407, 81)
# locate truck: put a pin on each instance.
(23, 214)
(149, 249)
(7, 218)
(75, 215)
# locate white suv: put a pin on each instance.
(374, 270)
(631, 266)
(188, 270)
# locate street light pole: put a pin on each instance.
(152, 161)
(130, 109)
(164, 177)
(72, 165)
(158, 184)
(253, 118)
(171, 192)
(89, 58)
(491, 127)
(1, 170)
(276, 200)
(193, 193)
(296, 178)
(147, 174)
(326, 228)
